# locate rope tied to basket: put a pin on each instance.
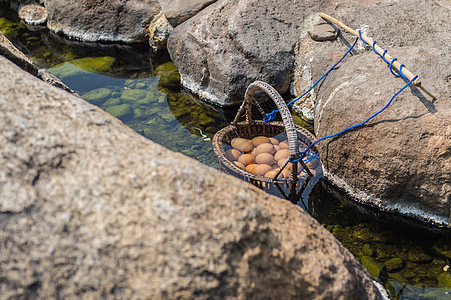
(392, 62)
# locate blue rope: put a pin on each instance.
(303, 154)
(270, 116)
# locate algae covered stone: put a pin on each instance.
(97, 96)
(444, 280)
(169, 75)
(123, 112)
(133, 95)
(102, 64)
(418, 256)
(394, 264)
(372, 266)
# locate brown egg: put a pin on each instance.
(313, 164)
(239, 165)
(259, 140)
(241, 144)
(254, 152)
(282, 154)
(251, 168)
(246, 159)
(264, 158)
(262, 169)
(265, 148)
(233, 154)
(273, 173)
(277, 147)
(274, 141)
(284, 145)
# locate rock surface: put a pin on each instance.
(178, 11)
(8, 50)
(400, 161)
(33, 14)
(91, 209)
(100, 20)
(232, 43)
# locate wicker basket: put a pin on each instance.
(252, 128)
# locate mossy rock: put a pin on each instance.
(341, 233)
(133, 95)
(169, 75)
(443, 247)
(368, 250)
(418, 256)
(372, 266)
(97, 96)
(394, 264)
(101, 64)
(111, 102)
(123, 112)
(66, 70)
(362, 234)
(384, 237)
(444, 280)
(139, 113)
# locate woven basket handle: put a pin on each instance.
(281, 105)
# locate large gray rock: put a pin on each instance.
(178, 11)
(100, 20)
(91, 209)
(390, 23)
(400, 161)
(8, 50)
(232, 43)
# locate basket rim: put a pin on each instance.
(219, 150)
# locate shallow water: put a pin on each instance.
(142, 90)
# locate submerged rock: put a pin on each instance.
(123, 112)
(97, 96)
(169, 75)
(108, 213)
(101, 20)
(8, 50)
(230, 44)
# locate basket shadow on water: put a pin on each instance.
(299, 173)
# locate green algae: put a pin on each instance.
(102, 64)
(394, 264)
(372, 266)
(169, 75)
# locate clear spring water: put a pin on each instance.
(142, 90)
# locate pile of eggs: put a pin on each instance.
(264, 156)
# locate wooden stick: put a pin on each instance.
(389, 58)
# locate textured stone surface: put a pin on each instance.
(390, 23)
(101, 20)
(400, 161)
(178, 11)
(159, 31)
(91, 209)
(230, 44)
(33, 14)
(8, 50)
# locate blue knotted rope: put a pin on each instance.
(303, 154)
(270, 116)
